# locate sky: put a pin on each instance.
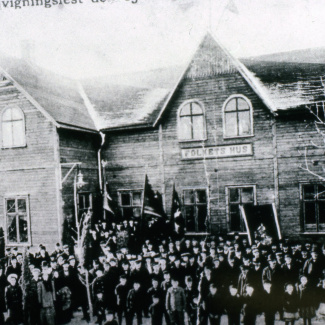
(97, 38)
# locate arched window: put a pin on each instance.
(13, 128)
(238, 117)
(191, 124)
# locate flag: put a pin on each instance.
(107, 200)
(231, 6)
(152, 201)
(177, 220)
(176, 206)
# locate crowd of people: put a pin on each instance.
(174, 280)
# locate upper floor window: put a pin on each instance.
(313, 207)
(238, 117)
(13, 128)
(191, 124)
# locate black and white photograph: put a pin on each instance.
(162, 162)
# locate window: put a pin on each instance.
(313, 207)
(17, 220)
(195, 210)
(191, 122)
(13, 128)
(238, 117)
(85, 202)
(238, 196)
(130, 203)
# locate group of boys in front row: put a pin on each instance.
(180, 281)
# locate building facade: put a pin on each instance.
(226, 133)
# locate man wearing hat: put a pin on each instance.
(31, 302)
(176, 303)
(41, 255)
(46, 300)
(156, 299)
(57, 251)
(313, 268)
(14, 299)
(14, 267)
(3, 284)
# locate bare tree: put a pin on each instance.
(317, 111)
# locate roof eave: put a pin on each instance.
(76, 128)
(129, 127)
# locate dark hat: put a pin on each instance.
(71, 257)
(44, 264)
(65, 246)
(12, 276)
(256, 261)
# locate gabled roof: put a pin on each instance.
(59, 97)
(289, 84)
(138, 100)
(128, 101)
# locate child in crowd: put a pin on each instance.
(290, 305)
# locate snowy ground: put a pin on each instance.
(224, 321)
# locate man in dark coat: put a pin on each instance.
(14, 300)
(313, 268)
(32, 307)
(3, 284)
(214, 305)
(134, 303)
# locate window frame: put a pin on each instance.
(302, 214)
(224, 117)
(83, 193)
(24, 144)
(187, 102)
(129, 191)
(201, 188)
(227, 188)
(17, 197)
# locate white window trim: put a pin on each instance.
(15, 197)
(194, 100)
(90, 198)
(224, 117)
(1, 133)
(187, 188)
(119, 192)
(227, 187)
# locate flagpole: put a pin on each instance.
(104, 189)
(143, 197)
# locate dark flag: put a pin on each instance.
(176, 218)
(152, 202)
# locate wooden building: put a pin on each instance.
(225, 132)
(46, 132)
